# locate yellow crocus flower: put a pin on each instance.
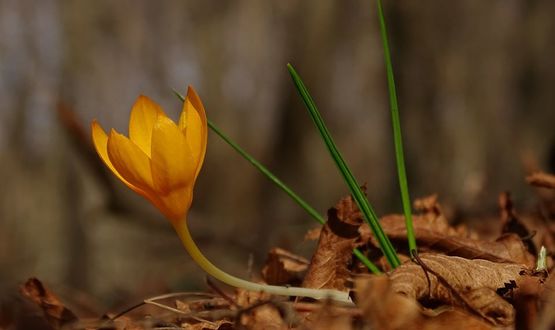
(161, 159)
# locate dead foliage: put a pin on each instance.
(56, 314)
(283, 267)
(329, 265)
(457, 281)
(433, 233)
(541, 179)
(471, 284)
(383, 308)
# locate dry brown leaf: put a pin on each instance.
(546, 320)
(541, 179)
(461, 282)
(432, 216)
(208, 325)
(198, 305)
(385, 309)
(313, 234)
(283, 267)
(327, 317)
(258, 311)
(435, 235)
(382, 307)
(55, 312)
(328, 267)
(123, 323)
(526, 298)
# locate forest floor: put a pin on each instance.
(464, 277)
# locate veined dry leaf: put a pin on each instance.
(541, 179)
(508, 248)
(283, 267)
(328, 267)
(57, 315)
(385, 309)
(461, 282)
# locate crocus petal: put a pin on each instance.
(130, 162)
(100, 141)
(143, 116)
(193, 123)
(172, 163)
(173, 168)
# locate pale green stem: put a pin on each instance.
(541, 263)
(183, 232)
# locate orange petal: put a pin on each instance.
(193, 123)
(143, 116)
(100, 141)
(172, 163)
(130, 162)
(176, 204)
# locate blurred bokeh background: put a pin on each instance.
(475, 79)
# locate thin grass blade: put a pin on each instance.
(397, 138)
(363, 204)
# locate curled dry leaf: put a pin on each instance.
(328, 267)
(541, 179)
(509, 248)
(385, 309)
(437, 235)
(57, 315)
(283, 267)
(471, 284)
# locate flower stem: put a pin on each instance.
(185, 236)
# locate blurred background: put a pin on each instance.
(475, 79)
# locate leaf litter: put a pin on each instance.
(459, 280)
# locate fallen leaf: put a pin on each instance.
(385, 309)
(208, 325)
(283, 267)
(541, 179)
(546, 320)
(57, 315)
(435, 235)
(457, 281)
(259, 312)
(382, 307)
(313, 234)
(327, 317)
(526, 298)
(328, 267)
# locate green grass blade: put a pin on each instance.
(367, 211)
(397, 138)
(309, 209)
